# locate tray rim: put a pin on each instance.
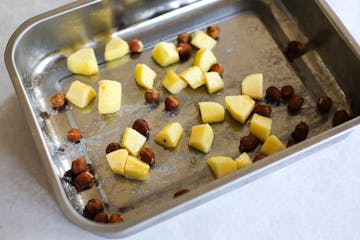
(213, 189)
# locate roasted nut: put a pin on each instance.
(84, 179)
(58, 100)
(181, 192)
(259, 156)
(171, 103)
(147, 155)
(295, 49)
(287, 92)
(184, 38)
(74, 135)
(152, 96)
(101, 217)
(263, 110)
(78, 166)
(273, 95)
(136, 46)
(111, 147)
(248, 143)
(301, 132)
(142, 127)
(213, 31)
(184, 50)
(93, 207)
(295, 103)
(217, 67)
(115, 218)
(340, 117)
(324, 104)
(290, 143)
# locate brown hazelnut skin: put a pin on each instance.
(184, 38)
(93, 207)
(142, 127)
(147, 155)
(101, 217)
(213, 31)
(295, 49)
(84, 179)
(248, 143)
(136, 46)
(273, 95)
(184, 50)
(115, 218)
(151, 96)
(58, 100)
(78, 166)
(111, 147)
(259, 156)
(295, 103)
(301, 132)
(263, 110)
(340, 117)
(217, 67)
(181, 192)
(74, 135)
(290, 143)
(287, 92)
(324, 104)
(171, 103)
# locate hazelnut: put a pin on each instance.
(217, 67)
(273, 95)
(181, 192)
(101, 217)
(84, 179)
(290, 143)
(74, 135)
(287, 92)
(295, 49)
(147, 155)
(152, 96)
(301, 132)
(93, 207)
(340, 117)
(184, 50)
(248, 143)
(78, 166)
(58, 100)
(295, 103)
(111, 147)
(184, 38)
(213, 31)
(171, 103)
(115, 218)
(142, 127)
(136, 46)
(263, 110)
(259, 156)
(324, 104)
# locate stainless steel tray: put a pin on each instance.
(254, 34)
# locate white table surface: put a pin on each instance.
(318, 197)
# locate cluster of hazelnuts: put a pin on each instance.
(94, 210)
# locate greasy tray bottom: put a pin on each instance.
(246, 46)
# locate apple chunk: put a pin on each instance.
(144, 76)
(173, 83)
(243, 160)
(170, 135)
(272, 145)
(221, 165)
(83, 61)
(201, 137)
(193, 76)
(239, 107)
(136, 169)
(211, 112)
(80, 94)
(260, 126)
(252, 86)
(202, 40)
(109, 96)
(213, 81)
(117, 160)
(116, 48)
(165, 54)
(133, 141)
(204, 58)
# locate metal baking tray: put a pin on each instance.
(254, 34)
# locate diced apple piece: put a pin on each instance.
(133, 141)
(213, 81)
(211, 112)
(117, 160)
(116, 48)
(204, 58)
(165, 54)
(109, 96)
(170, 135)
(240, 107)
(83, 61)
(260, 126)
(193, 76)
(272, 145)
(201, 137)
(221, 165)
(202, 40)
(173, 83)
(80, 94)
(252, 86)
(243, 160)
(136, 169)
(144, 76)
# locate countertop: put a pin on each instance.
(317, 197)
